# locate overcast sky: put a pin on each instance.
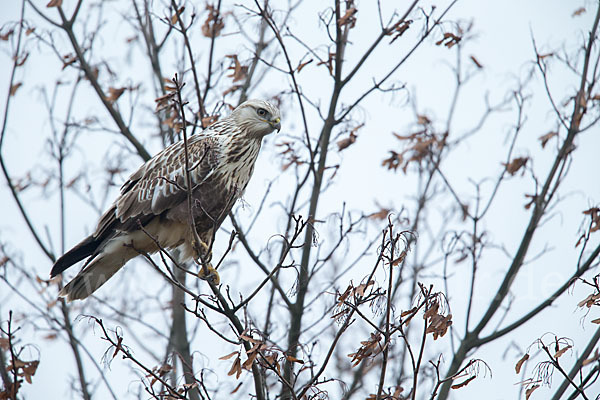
(503, 45)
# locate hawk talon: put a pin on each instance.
(212, 276)
(207, 254)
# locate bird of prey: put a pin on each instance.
(152, 210)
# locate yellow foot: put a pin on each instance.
(205, 250)
(212, 276)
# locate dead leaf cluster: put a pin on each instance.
(355, 293)
(437, 323)
(368, 350)
(398, 29)
(213, 25)
(25, 369)
(418, 147)
(449, 40)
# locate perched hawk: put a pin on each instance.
(153, 206)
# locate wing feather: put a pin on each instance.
(159, 184)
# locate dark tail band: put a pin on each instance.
(85, 248)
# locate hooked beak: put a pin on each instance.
(276, 124)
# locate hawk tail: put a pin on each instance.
(85, 248)
(100, 269)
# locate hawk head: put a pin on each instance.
(257, 118)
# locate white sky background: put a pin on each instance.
(503, 45)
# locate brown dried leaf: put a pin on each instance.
(237, 388)
(594, 213)
(302, 65)
(175, 17)
(463, 383)
(8, 33)
(232, 89)
(360, 289)
(545, 138)
(529, 391)
(399, 28)
(449, 40)
(164, 369)
(114, 93)
(29, 370)
(248, 338)
(432, 310)
(589, 301)
(438, 325)
(68, 60)
(294, 359)
(228, 356)
(394, 161)
(423, 119)
(51, 304)
(247, 365)
(399, 259)
(118, 346)
(348, 18)
(562, 351)
(521, 362)
(238, 71)
(54, 3)
(578, 12)
(380, 215)
(591, 359)
(329, 63)
(21, 60)
(236, 368)
(515, 165)
(15, 87)
(4, 344)
(408, 312)
(213, 25)
(476, 62)
(595, 321)
(347, 142)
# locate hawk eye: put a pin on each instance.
(262, 112)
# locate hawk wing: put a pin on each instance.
(159, 184)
